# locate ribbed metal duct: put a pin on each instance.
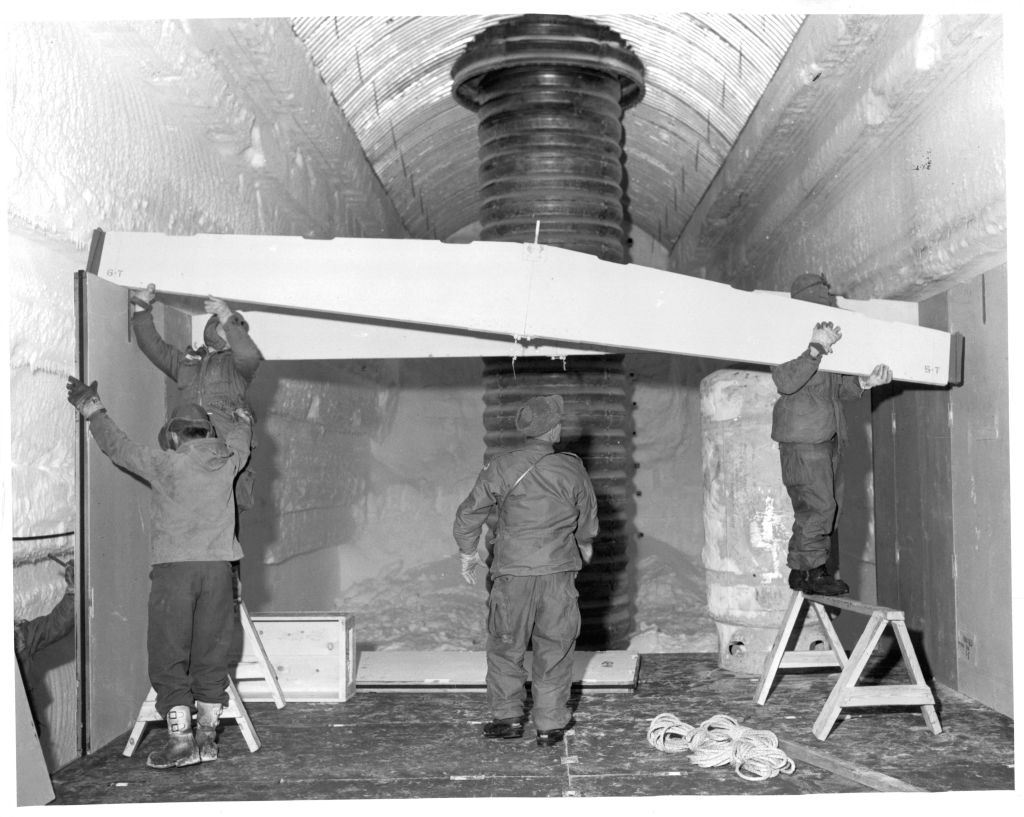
(549, 92)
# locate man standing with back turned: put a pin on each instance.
(543, 532)
(808, 425)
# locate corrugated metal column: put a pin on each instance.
(549, 92)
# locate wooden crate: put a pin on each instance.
(314, 654)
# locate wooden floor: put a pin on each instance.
(428, 745)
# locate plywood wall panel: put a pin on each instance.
(914, 512)
(981, 493)
(116, 518)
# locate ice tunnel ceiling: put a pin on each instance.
(391, 76)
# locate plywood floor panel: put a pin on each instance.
(428, 745)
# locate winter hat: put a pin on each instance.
(183, 415)
(540, 414)
(806, 288)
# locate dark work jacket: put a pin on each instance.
(542, 521)
(40, 632)
(30, 637)
(217, 381)
(808, 409)
(193, 500)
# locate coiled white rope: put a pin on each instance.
(719, 741)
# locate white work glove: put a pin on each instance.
(825, 335)
(215, 306)
(879, 376)
(587, 552)
(470, 561)
(142, 299)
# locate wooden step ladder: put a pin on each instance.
(259, 668)
(846, 693)
(235, 709)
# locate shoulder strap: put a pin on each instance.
(522, 476)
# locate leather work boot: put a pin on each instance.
(819, 582)
(550, 737)
(180, 749)
(207, 721)
(796, 579)
(505, 728)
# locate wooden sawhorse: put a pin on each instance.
(846, 693)
(262, 668)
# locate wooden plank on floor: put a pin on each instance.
(850, 771)
(393, 670)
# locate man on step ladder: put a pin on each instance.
(192, 546)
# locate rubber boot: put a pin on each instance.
(180, 749)
(206, 729)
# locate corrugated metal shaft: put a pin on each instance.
(598, 429)
(549, 92)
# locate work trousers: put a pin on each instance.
(544, 609)
(810, 472)
(191, 617)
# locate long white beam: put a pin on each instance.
(526, 292)
(284, 336)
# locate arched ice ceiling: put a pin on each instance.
(391, 76)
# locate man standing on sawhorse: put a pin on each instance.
(808, 425)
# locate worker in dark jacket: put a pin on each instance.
(544, 524)
(215, 376)
(808, 424)
(192, 546)
(32, 636)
